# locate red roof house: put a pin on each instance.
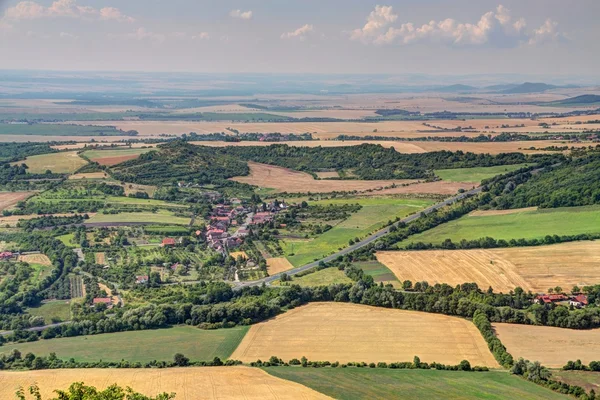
(168, 242)
(551, 298)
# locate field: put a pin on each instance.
(287, 180)
(365, 383)
(59, 310)
(142, 346)
(349, 332)
(278, 264)
(77, 286)
(89, 175)
(526, 224)
(375, 212)
(475, 175)
(9, 199)
(551, 346)
(41, 259)
(113, 157)
(57, 130)
(586, 379)
(379, 272)
(60, 163)
(193, 383)
(100, 258)
(324, 277)
(159, 217)
(532, 268)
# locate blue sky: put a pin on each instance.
(545, 37)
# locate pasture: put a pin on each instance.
(531, 268)
(477, 174)
(349, 332)
(324, 277)
(586, 379)
(52, 311)
(59, 163)
(525, 224)
(158, 217)
(379, 272)
(9, 199)
(551, 346)
(113, 157)
(192, 383)
(366, 383)
(373, 215)
(140, 346)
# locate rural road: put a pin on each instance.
(36, 328)
(362, 243)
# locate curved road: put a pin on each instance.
(362, 243)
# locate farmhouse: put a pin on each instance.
(550, 298)
(102, 300)
(579, 301)
(5, 255)
(141, 279)
(168, 242)
(262, 217)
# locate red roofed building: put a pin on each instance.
(141, 279)
(103, 300)
(5, 254)
(581, 300)
(168, 242)
(551, 298)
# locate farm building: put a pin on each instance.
(551, 298)
(579, 301)
(102, 300)
(168, 242)
(141, 279)
(5, 255)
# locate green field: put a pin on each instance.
(586, 379)
(67, 240)
(378, 271)
(59, 310)
(476, 174)
(324, 277)
(58, 130)
(374, 215)
(159, 217)
(365, 383)
(522, 225)
(95, 154)
(142, 346)
(142, 202)
(60, 163)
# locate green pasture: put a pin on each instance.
(476, 174)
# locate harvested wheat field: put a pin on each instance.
(89, 175)
(484, 213)
(287, 180)
(40, 259)
(551, 346)
(191, 383)
(532, 268)
(278, 264)
(439, 187)
(100, 258)
(9, 199)
(236, 254)
(59, 163)
(350, 332)
(401, 147)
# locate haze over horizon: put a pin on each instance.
(534, 38)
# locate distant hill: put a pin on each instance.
(529, 87)
(501, 87)
(577, 100)
(454, 89)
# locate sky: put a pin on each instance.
(461, 37)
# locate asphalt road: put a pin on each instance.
(362, 243)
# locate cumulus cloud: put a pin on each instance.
(300, 33)
(241, 14)
(201, 36)
(495, 28)
(66, 35)
(28, 10)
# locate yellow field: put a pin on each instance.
(532, 268)
(41, 259)
(483, 213)
(9, 199)
(236, 254)
(287, 180)
(349, 332)
(278, 264)
(328, 174)
(552, 347)
(100, 258)
(59, 163)
(89, 175)
(191, 383)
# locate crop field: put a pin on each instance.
(77, 286)
(586, 379)
(551, 346)
(113, 157)
(60, 163)
(89, 175)
(532, 268)
(40, 259)
(276, 265)
(379, 272)
(58, 310)
(349, 332)
(324, 277)
(192, 383)
(375, 212)
(57, 130)
(100, 258)
(9, 199)
(142, 202)
(142, 346)
(366, 383)
(159, 217)
(477, 174)
(287, 180)
(526, 224)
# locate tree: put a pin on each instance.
(78, 391)
(180, 360)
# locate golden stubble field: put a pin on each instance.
(40, 259)
(193, 383)
(9, 199)
(532, 268)
(551, 346)
(276, 265)
(350, 332)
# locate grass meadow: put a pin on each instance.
(365, 383)
(59, 310)
(159, 217)
(60, 163)
(476, 174)
(140, 346)
(528, 224)
(324, 277)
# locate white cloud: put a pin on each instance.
(27, 10)
(141, 34)
(495, 28)
(241, 14)
(201, 36)
(68, 35)
(300, 33)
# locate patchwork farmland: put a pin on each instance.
(349, 332)
(60, 163)
(531, 268)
